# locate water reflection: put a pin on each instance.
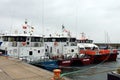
(92, 72)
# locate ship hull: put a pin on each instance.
(105, 57)
(48, 65)
(75, 62)
(81, 61)
(64, 63)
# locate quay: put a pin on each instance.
(115, 45)
(14, 69)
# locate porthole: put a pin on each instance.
(38, 51)
(72, 50)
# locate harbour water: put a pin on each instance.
(92, 72)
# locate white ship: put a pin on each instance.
(59, 47)
(35, 48)
(23, 46)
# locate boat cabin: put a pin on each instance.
(59, 46)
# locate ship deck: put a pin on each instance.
(14, 69)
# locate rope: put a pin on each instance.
(73, 72)
(64, 74)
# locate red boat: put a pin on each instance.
(96, 53)
(106, 55)
(102, 55)
(74, 62)
(79, 60)
(64, 63)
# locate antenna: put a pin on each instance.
(25, 21)
(43, 17)
(83, 36)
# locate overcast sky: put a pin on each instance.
(96, 18)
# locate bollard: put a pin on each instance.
(57, 75)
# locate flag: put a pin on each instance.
(63, 27)
(24, 27)
(64, 30)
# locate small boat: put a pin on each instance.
(96, 53)
(106, 54)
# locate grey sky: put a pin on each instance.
(96, 18)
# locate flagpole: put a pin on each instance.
(62, 29)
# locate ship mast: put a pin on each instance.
(83, 36)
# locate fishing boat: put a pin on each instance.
(97, 54)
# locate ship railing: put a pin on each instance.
(44, 58)
(32, 60)
(67, 56)
(26, 59)
(41, 59)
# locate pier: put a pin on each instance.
(115, 45)
(14, 69)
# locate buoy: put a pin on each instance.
(23, 43)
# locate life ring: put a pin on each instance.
(55, 43)
(23, 43)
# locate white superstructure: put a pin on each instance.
(60, 46)
(23, 46)
(35, 47)
(86, 44)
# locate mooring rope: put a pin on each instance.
(73, 72)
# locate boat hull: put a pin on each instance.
(105, 57)
(64, 63)
(75, 62)
(49, 65)
(81, 61)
